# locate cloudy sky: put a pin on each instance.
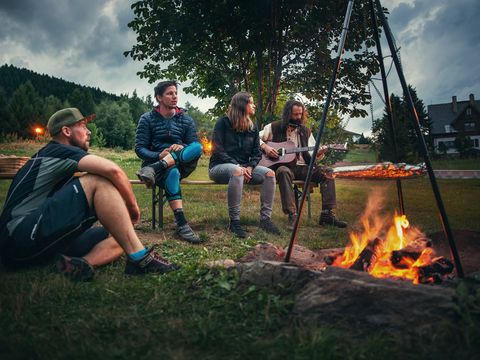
(83, 42)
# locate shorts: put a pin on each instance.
(61, 225)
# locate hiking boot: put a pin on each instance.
(235, 228)
(152, 262)
(147, 175)
(75, 268)
(327, 217)
(268, 226)
(186, 233)
(291, 221)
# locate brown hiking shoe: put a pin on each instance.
(327, 217)
(291, 221)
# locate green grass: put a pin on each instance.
(208, 314)
(456, 164)
(361, 154)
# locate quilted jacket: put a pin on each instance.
(156, 133)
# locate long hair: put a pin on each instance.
(287, 111)
(237, 112)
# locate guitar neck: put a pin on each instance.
(299, 149)
(337, 147)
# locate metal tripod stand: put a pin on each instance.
(421, 141)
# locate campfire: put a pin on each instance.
(392, 248)
(207, 145)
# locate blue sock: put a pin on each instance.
(136, 256)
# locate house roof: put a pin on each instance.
(442, 114)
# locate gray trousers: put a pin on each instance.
(321, 175)
(223, 174)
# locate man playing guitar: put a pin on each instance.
(292, 128)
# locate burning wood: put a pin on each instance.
(404, 258)
(434, 272)
(367, 257)
(397, 251)
(385, 170)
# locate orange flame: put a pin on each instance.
(394, 235)
(207, 145)
(382, 171)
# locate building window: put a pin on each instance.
(448, 128)
(476, 143)
(469, 111)
(469, 126)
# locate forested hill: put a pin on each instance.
(12, 77)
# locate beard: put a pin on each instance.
(85, 145)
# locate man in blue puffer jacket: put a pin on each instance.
(166, 141)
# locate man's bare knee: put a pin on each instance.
(271, 173)
(91, 183)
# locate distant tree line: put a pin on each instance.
(28, 99)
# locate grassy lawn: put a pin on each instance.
(205, 313)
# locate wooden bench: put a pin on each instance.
(158, 196)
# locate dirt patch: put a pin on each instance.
(468, 247)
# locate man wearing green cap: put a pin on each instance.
(49, 212)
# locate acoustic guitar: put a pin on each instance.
(287, 153)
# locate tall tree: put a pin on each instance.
(203, 121)
(405, 134)
(25, 109)
(260, 46)
(82, 99)
(115, 124)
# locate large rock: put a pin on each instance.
(356, 299)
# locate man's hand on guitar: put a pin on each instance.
(270, 152)
(321, 152)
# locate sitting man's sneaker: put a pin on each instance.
(152, 262)
(75, 268)
(237, 229)
(327, 217)
(186, 233)
(147, 175)
(291, 221)
(268, 226)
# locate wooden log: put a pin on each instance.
(398, 256)
(434, 272)
(367, 257)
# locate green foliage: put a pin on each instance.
(137, 106)
(114, 122)
(273, 46)
(405, 135)
(334, 132)
(364, 140)
(25, 105)
(203, 121)
(96, 137)
(463, 144)
(82, 99)
(25, 110)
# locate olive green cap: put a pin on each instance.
(66, 117)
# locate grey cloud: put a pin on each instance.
(49, 25)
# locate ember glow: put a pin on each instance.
(384, 170)
(207, 145)
(389, 248)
